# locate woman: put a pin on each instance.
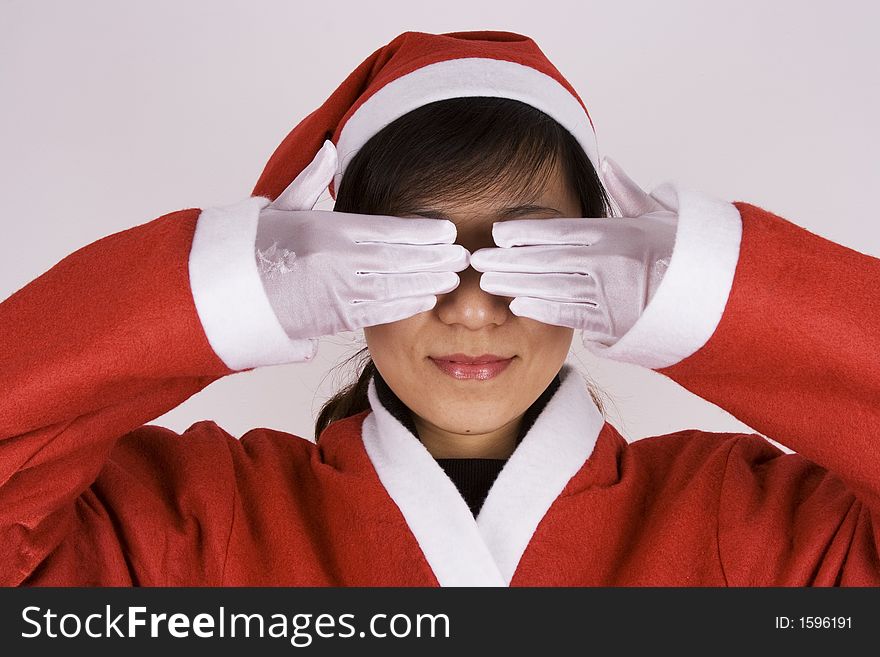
(470, 239)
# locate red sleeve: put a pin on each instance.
(104, 341)
(796, 356)
(781, 328)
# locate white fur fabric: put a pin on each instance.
(461, 550)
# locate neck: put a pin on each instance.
(497, 444)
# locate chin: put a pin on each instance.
(467, 417)
(475, 428)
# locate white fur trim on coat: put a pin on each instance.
(461, 550)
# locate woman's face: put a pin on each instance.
(473, 322)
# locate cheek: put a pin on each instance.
(397, 351)
(548, 345)
(392, 346)
(377, 337)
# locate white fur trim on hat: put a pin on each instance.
(464, 77)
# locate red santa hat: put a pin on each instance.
(415, 69)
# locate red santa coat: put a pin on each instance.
(775, 324)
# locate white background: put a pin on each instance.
(114, 113)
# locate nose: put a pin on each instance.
(470, 306)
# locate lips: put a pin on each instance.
(464, 358)
(479, 368)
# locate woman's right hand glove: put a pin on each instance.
(326, 272)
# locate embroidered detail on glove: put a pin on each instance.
(275, 262)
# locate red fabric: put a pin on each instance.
(109, 339)
(403, 54)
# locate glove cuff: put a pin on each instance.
(229, 296)
(688, 303)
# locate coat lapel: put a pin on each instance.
(549, 455)
(433, 508)
(461, 550)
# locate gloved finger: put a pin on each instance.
(535, 259)
(560, 313)
(390, 287)
(527, 232)
(403, 258)
(632, 200)
(372, 313)
(552, 287)
(399, 230)
(307, 187)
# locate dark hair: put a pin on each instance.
(461, 148)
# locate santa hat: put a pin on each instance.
(415, 69)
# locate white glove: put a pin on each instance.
(326, 272)
(595, 274)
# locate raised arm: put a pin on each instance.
(113, 336)
(104, 341)
(776, 325)
(125, 329)
(781, 328)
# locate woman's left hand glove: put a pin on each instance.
(594, 274)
